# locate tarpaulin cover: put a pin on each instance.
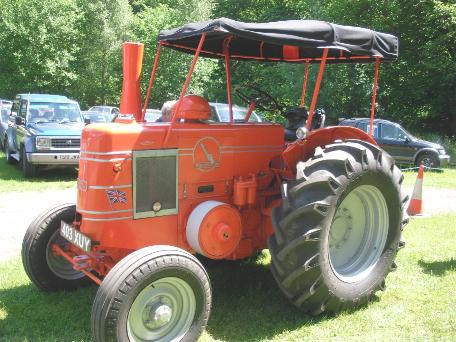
(289, 41)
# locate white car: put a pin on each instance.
(220, 113)
(108, 111)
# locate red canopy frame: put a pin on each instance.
(226, 55)
(374, 97)
(185, 86)
(151, 81)
(304, 85)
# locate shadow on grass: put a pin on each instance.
(32, 315)
(13, 172)
(438, 268)
(247, 304)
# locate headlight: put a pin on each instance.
(441, 151)
(43, 143)
(301, 133)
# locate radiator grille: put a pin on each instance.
(63, 143)
(155, 182)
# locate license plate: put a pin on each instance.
(68, 157)
(75, 236)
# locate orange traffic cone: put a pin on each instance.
(416, 203)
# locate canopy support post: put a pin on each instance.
(226, 52)
(152, 77)
(374, 97)
(304, 85)
(317, 88)
(185, 86)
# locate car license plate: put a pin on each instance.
(75, 236)
(68, 157)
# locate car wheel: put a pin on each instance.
(428, 160)
(28, 169)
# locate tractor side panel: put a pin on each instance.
(209, 158)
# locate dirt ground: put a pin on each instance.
(18, 209)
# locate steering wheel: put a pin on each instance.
(262, 99)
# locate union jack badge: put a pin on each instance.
(116, 196)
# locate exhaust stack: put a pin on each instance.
(132, 57)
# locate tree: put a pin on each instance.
(102, 28)
(151, 18)
(38, 40)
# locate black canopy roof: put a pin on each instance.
(288, 41)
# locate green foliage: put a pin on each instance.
(102, 27)
(418, 90)
(38, 44)
(155, 16)
(74, 47)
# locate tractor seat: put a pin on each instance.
(193, 108)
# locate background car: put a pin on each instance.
(94, 117)
(5, 110)
(109, 112)
(152, 115)
(400, 144)
(46, 131)
(220, 112)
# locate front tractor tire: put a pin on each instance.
(158, 293)
(48, 271)
(338, 229)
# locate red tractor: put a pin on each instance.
(150, 195)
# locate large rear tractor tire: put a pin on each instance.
(158, 293)
(338, 228)
(46, 270)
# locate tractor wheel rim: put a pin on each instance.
(58, 264)
(162, 311)
(358, 233)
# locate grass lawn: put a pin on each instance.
(445, 179)
(11, 178)
(418, 305)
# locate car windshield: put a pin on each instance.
(40, 112)
(238, 114)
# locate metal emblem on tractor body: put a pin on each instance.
(206, 154)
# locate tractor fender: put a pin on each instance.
(301, 150)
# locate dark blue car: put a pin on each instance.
(400, 144)
(45, 131)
